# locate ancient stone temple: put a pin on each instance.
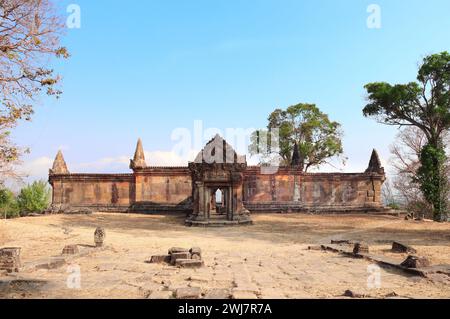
(217, 188)
(218, 171)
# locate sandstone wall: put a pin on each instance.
(74, 192)
(170, 189)
(163, 185)
(289, 189)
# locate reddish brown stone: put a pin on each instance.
(189, 263)
(250, 188)
(361, 248)
(159, 259)
(401, 248)
(175, 256)
(175, 250)
(416, 262)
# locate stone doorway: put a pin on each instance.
(217, 187)
(220, 203)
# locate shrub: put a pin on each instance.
(8, 204)
(34, 198)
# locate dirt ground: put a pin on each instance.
(267, 260)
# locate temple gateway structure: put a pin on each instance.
(218, 188)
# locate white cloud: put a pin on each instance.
(37, 168)
(164, 158)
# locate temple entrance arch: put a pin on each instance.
(219, 177)
(220, 202)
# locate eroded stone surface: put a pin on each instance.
(416, 262)
(402, 248)
(70, 250)
(188, 293)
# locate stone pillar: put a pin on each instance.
(207, 192)
(201, 200)
(296, 197)
(230, 203)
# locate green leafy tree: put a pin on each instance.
(34, 198)
(303, 125)
(424, 104)
(8, 204)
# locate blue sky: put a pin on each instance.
(144, 68)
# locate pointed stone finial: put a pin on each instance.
(139, 157)
(375, 164)
(59, 165)
(295, 156)
(297, 159)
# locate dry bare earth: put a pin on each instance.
(267, 260)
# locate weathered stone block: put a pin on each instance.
(175, 250)
(99, 236)
(196, 257)
(361, 248)
(189, 263)
(10, 259)
(188, 293)
(196, 253)
(70, 250)
(159, 259)
(401, 248)
(416, 262)
(175, 256)
(218, 294)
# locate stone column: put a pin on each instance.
(230, 203)
(201, 200)
(297, 197)
(207, 192)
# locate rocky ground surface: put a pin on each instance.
(267, 260)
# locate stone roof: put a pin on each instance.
(375, 164)
(139, 157)
(59, 165)
(218, 151)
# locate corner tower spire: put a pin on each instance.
(139, 157)
(295, 156)
(375, 164)
(59, 165)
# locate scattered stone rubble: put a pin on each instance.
(180, 257)
(416, 262)
(10, 259)
(401, 248)
(416, 265)
(361, 248)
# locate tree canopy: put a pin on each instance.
(424, 104)
(303, 125)
(29, 37)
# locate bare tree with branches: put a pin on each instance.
(30, 33)
(405, 161)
